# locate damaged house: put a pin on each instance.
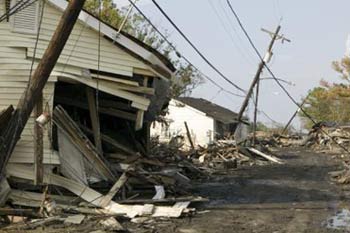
(93, 120)
(206, 121)
(129, 78)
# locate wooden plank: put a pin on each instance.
(268, 157)
(64, 122)
(139, 120)
(104, 110)
(109, 88)
(93, 197)
(114, 79)
(38, 144)
(111, 141)
(114, 190)
(94, 117)
(4, 191)
(119, 113)
(189, 135)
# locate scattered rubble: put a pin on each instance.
(125, 182)
(89, 186)
(327, 136)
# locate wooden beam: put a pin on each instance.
(139, 119)
(94, 117)
(94, 197)
(140, 113)
(114, 190)
(4, 191)
(110, 88)
(104, 110)
(111, 141)
(38, 144)
(37, 82)
(189, 135)
(268, 157)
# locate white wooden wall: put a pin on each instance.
(16, 53)
(200, 125)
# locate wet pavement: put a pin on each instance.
(294, 197)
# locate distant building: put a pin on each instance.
(206, 121)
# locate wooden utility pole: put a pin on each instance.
(293, 116)
(256, 109)
(31, 95)
(275, 36)
(257, 75)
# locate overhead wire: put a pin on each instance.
(236, 31)
(196, 49)
(276, 79)
(229, 33)
(19, 6)
(181, 55)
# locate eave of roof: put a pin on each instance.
(159, 64)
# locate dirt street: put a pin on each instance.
(295, 197)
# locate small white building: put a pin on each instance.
(206, 121)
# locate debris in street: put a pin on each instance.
(328, 136)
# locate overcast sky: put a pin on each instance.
(318, 30)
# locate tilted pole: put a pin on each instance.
(257, 75)
(256, 110)
(293, 116)
(31, 95)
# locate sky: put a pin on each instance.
(318, 30)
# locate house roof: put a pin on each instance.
(158, 63)
(215, 111)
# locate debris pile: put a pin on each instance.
(328, 136)
(275, 140)
(94, 188)
(225, 154)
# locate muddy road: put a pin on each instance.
(295, 197)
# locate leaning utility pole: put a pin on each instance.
(294, 115)
(256, 110)
(32, 94)
(265, 60)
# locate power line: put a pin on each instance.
(196, 49)
(228, 32)
(181, 55)
(235, 30)
(19, 6)
(276, 79)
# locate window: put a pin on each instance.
(26, 20)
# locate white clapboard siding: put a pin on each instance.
(10, 93)
(81, 48)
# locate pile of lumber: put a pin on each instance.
(225, 154)
(92, 186)
(276, 140)
(324, 136)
